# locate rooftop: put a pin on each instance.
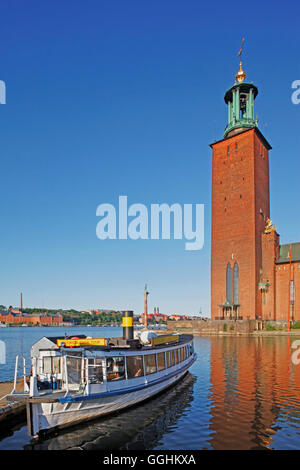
(284, 253)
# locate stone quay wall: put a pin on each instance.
(237, 327)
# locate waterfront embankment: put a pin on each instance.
(231, 328)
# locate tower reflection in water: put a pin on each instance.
(254, 393)
(136, 429)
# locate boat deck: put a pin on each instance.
(183, 339)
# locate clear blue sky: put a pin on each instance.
(111, 98)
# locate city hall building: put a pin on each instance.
(253, 276)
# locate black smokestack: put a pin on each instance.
(127, 323)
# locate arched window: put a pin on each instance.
(229, 284)
(236, 284)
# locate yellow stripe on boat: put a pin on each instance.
(163, 339)
(127, 321)
(76, 343)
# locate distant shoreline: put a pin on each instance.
(234, 334)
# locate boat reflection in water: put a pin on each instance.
(139, 428)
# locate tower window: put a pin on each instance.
(236, 147)
(228, 153)
(292, 292)
(229, 284)
(236, 284)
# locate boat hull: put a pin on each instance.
(43, 417)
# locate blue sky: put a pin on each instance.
(113, 98)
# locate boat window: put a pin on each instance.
(74, 367)
(51, 365)
(169, 358)
(184, 355)
(173, 357)
(115, 368)
(47, 365)
(55, 365)
(181, 354)
(176, 356)
(95, 370)
(150, 363)
(134, 366)
(161, 361)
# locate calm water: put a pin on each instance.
(242, 393)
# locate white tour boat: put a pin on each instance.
(74, 379)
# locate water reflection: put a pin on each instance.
(138, 428)
(255, 394)
(242, 393)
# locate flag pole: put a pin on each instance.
(290, 278)
(145, 308)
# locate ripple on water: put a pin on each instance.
(242, 393)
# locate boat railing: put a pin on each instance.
(25, 387)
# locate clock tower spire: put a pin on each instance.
(240, 101)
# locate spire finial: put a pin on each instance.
(241, 75)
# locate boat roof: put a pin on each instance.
(113, 344)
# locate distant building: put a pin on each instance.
(15, 316)
(106, 312)
(154, 317)
(179, 317)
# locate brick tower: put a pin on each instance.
(240, 208)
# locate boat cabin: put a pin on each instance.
(92, 365)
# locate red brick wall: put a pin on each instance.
(240, 190)
(282, 290)
(262, 207)
(270, 252)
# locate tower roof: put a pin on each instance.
(244, 87)
(261, 136)
(284, 253)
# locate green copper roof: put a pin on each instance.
(284, 253)
(240, 101)
(244, 88)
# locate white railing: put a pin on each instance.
(26, 388)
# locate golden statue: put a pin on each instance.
(270, 227)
